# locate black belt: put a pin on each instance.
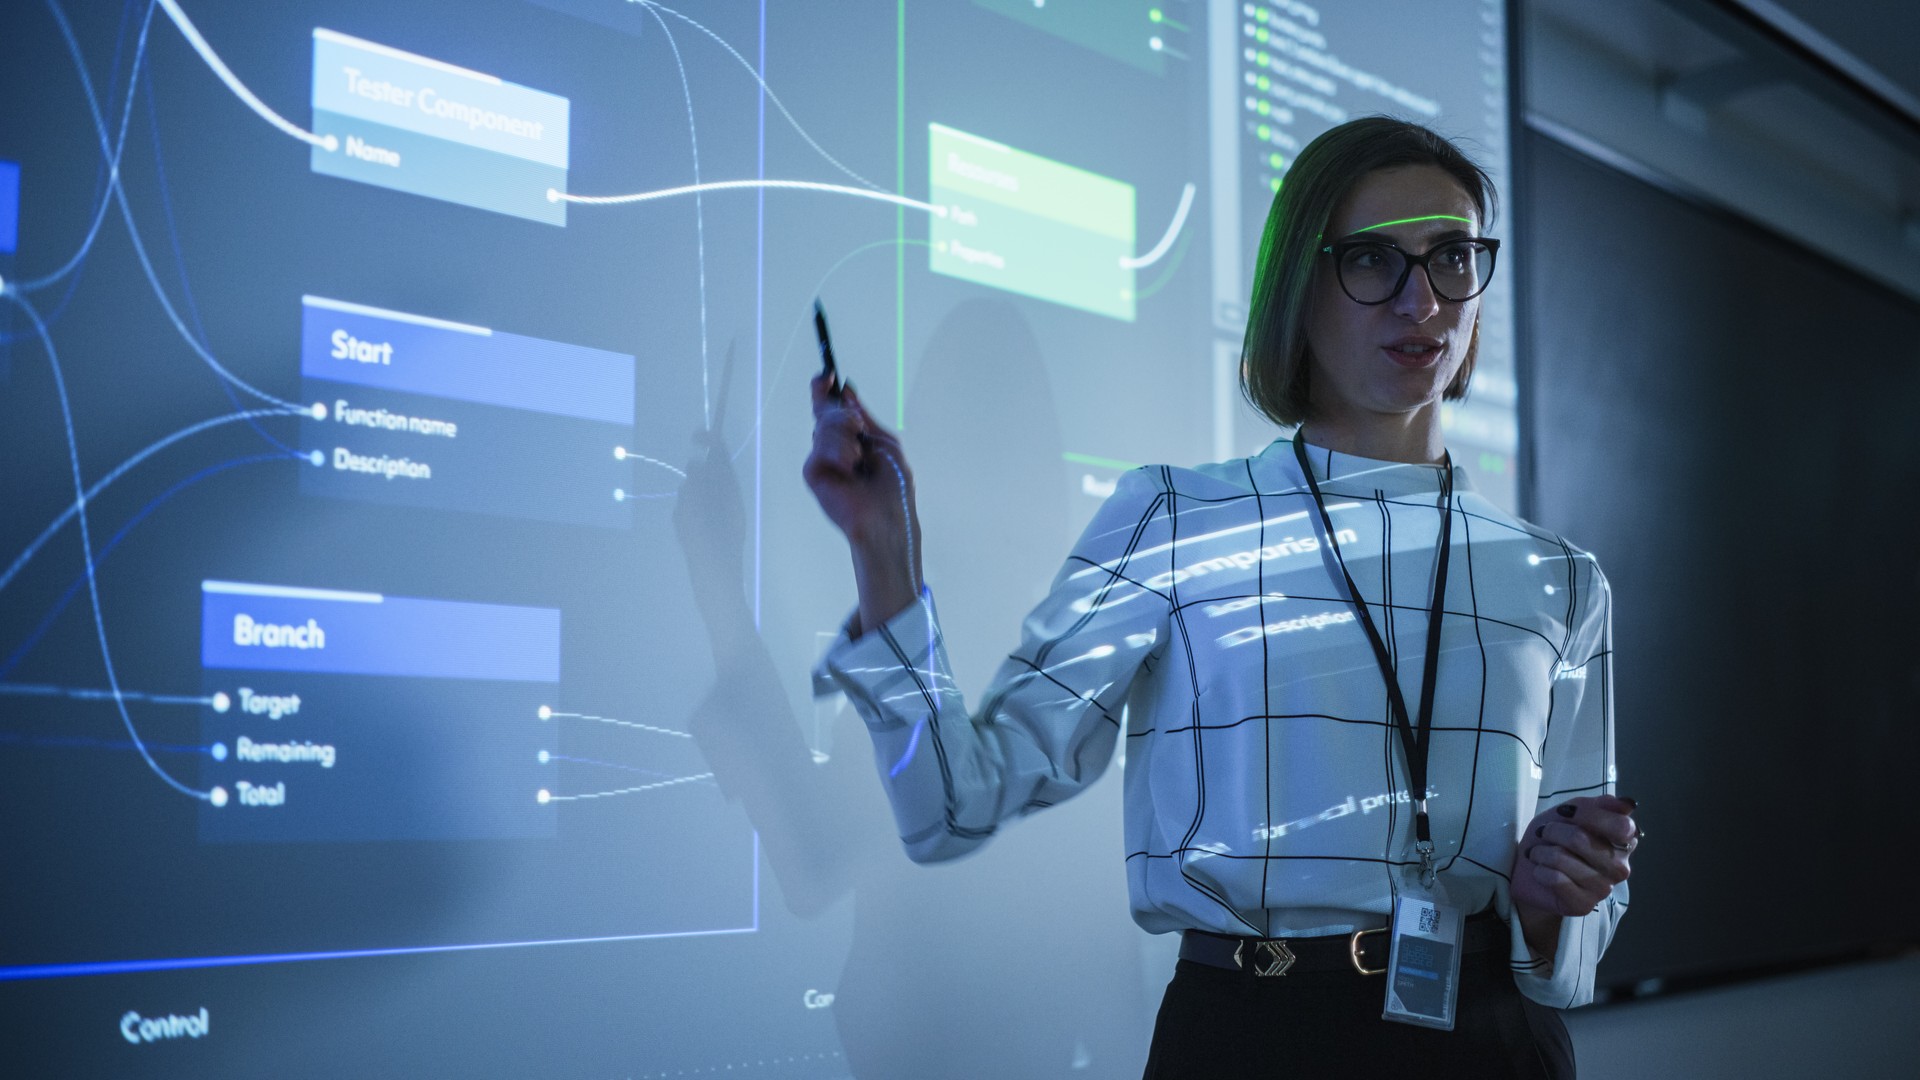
(1363, 951)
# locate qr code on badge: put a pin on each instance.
(1429, 919)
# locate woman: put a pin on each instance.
(1258, 632)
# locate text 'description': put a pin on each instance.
(418, 411)
(1020, 222)
(415, 124)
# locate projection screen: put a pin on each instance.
(407, 590)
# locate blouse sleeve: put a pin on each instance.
(1049, 719)
(1577, 760)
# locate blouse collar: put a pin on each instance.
(1353, 473)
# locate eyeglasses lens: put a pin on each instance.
(1458, 270)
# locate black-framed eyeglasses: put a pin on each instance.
(1374, 271)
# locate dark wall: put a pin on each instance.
(1727, 421)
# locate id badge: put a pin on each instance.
(1423, 968)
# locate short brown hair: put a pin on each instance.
(1273, 359)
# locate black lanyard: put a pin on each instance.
(1415, 743)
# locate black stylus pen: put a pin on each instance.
(827, 366)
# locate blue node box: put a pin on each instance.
(351, 716)
(418, 411)
(415, 124)
(9, 206)
(9, 240)
(243, 628)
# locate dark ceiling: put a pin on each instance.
(1875, 41)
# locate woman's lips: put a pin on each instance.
(1414, 358)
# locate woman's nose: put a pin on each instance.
(1416, 300)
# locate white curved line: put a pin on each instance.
(699, 218)
(172, 8)
(86, 548)
(771, 96)
(618, 723)
(729, 185)
(1166, 242)
(630, 790)
(631, 456)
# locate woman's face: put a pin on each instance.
(1400, 356)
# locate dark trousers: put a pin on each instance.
(1217, 1024)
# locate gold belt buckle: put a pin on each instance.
(1270, 956)
(1353, 951)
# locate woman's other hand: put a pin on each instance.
(1573, 854)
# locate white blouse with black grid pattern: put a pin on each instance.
(1265, 783)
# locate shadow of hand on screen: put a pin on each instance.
(1007, 964)
(745, 724)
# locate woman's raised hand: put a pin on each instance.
(858, 472)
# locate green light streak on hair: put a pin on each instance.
(1411, 220)
(1403, 221)
(1105, 463)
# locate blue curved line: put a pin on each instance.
(100, 556)
(82, 742)
(166, 206)
(104, 171)
(119, 470)
(113, 152)
(186, 963)
(913, 744)
(86, 546)
(107, 170)
(179, 254)
(166, 305)
(54, 313)
(127, 10)
(73, 264)
(126, 211)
